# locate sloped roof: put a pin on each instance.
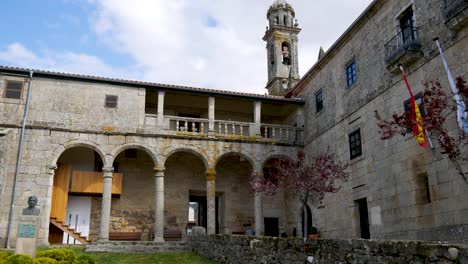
(135, 83)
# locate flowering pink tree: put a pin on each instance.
(301, 178)
(438, 108)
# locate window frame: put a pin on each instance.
(107, 100)
(319, 105)
(348, 72)
(5, 88)
(351, 142)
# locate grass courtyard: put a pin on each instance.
(160, 258)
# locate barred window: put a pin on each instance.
(13, 89)
(319, 101)
(111, 101)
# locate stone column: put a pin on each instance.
(161, 109)
(211, 114)
(106, 203)
(257, 118)
(211, 201)
(159, 207)
(258, 204)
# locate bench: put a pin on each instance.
(125, 236)
(172, 235)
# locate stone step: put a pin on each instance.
(137, 247)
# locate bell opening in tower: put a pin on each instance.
(285, 49)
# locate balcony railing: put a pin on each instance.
(282, 134)
(232, 128)
(405, 41)
(453, 7)
(186, 126)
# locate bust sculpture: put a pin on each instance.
(31, 209)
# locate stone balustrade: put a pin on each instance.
(232, 128)
(282, 134)
(187, 124)
(241, 130)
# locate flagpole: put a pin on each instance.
(461, 114)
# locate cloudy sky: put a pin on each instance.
(204, 43)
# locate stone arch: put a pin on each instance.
(251, 161)
(274, 156)
(57, 152)
(119, 149)
(197, 153)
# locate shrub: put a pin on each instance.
(69, 254)
(19, 259)
(45, 260)
(4, 255)
(84, 259)
(313, 230)
(53, 254)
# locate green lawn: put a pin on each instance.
(161, 258)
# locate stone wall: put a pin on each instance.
(43, 147)
(388, 172)
(269, 250)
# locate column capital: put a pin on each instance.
(159, 171)
(107, 172)
(210, 174)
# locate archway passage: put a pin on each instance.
(132, 212)
(236, 198)
(184, 186)
(77, 179)
(274, 208)
(306, 221)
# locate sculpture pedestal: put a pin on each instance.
(26, 241)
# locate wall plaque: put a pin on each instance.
(28, 231)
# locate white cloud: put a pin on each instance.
(173, 43)
(17, 54)
(205, 43)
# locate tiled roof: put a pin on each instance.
(53, 74)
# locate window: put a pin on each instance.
(13, 89)
(355, 147)
(407, 25)
(423, 190)
(319, 101)
(111, 101)
(351, 76)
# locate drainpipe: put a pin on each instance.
(18, 162)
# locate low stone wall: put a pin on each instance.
(266, 250)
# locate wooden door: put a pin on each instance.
(60, 192)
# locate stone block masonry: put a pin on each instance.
(268, 250)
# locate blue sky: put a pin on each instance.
(206, 43)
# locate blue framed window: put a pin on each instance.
(351, 75)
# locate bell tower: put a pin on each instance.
(281, 38)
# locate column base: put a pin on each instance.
(159, 240)
(102, 240)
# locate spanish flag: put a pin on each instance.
(418, 129)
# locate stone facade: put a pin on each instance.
(388, 173)
(194, 143)
(247, 250)
(68, 123)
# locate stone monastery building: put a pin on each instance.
(129, 160)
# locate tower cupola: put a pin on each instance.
(281, 38)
